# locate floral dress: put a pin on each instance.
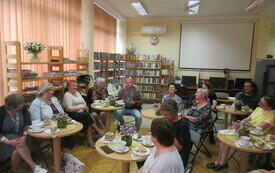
(202, 118)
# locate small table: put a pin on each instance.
(108, 113)
(71, 129)
(227, 100)
(150, 114)
(226, 111)
(125, 158)
(230, 141)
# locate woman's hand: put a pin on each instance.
(13, 142)
(22, 142)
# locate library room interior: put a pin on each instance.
(137, 86)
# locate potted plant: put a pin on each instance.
(61, 119)
(34, 49)
(177, 80)
(238, 105)
(126, 133)
(242, 127)
(269, 56)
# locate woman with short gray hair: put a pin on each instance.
(14, 123)
(199, 114)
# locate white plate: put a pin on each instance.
(37, 131)
(135, 137)
(256, 133)
(250, 144)
(267, 146)
(71, 122)
(48, 132)
(140, 154)
(96, 104)
(148, 145)
(221, 107)
(228, 132)
(119, 151)
(108, 141)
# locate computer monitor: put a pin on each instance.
(218, 82)
(188, 80)
(239, 82)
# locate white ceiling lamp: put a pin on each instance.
(193, 6)
(253, 4)
(139, 7)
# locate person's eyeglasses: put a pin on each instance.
(247, 86)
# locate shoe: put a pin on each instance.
(92, 145)
(211, 165)
(221, 167)
(39, 169)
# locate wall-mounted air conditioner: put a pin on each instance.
(154, 30)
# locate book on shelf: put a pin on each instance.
(148, 57)
(149, 95)
(148, 64)
(147, 80)
(167, 71)
(148, 87)
(148, 72)
(166, 61)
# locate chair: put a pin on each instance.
(182, 92)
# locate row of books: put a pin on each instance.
(102, 74)
(148, 57)
(147, 80)
(149, 95)
(148, 87)
(127, 72)
(167, 71)
(100, 65)
(166, 80)
(148, 64)
(127, 64)
(148, 72)
(166, 61)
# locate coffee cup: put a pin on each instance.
(258, 130)
(121, 145)
(245, 140)
(222, 104)
(36, 128)
(37, 124)
(53, 129)
(147, 140)
(97, 101)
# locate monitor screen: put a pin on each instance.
(239, 82)
(217, 82)
(188, 80)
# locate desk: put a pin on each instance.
(71, 129)
(229, 140)
(241, 113)
(125, 158)
(107, 110)
(150, 114)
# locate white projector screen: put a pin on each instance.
(216, 45)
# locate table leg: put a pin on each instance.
(108, 120)
(56, 151)
(125, 167)
(244, 160)
(225, 120)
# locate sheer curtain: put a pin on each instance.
(104, 31)
(51, 22)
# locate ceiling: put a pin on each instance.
(174, 8)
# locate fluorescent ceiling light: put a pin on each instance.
(253, 4)
(193, 6)
(139, 7)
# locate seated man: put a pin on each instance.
(182, 139)
(133, 101)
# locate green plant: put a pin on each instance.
(177, 77)
(269, 56)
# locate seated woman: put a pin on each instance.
(172, 95)
(263, 117)
(14, 123)
(199, 114)
(45, 106)
(76, 107)
(98, 92)
(164, 156)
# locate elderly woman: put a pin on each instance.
(99, 92)
(76, 107)
(199, 114)
(14, 122)
(164, 156)
(172, 96)
(45, 106)
(263, 117)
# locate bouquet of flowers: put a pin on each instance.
(242, 127)
(61, 119)
(126, 133)
(157, 107)
(112, 100)
(238, 104)
(33, 47)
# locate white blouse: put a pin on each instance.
(40, 110)
(70, 101)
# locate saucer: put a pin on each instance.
(121, 151)
(256, 133)
(48, 132)
(239, 142)
(148, 145)
(37, 130)
(140, 154)
(135, 137)
(267, 146)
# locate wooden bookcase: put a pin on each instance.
(13, 67)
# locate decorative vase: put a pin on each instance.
(243, 132)
(61, 123)
(127, 139)
(158, 113)
(238, 107)
(34, 57)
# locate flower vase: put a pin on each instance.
(127, 139)
(238, 107)
(61, 124)
(34, 57)
(243, 132)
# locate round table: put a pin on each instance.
(230, 141)
(150, 114)
(125, 158)
(71, 129)
(107, 110)
(227, 100)
(227, 111)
